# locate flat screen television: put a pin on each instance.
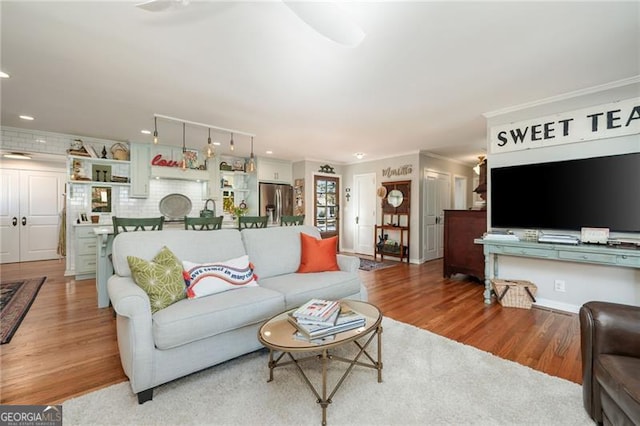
(601, 192)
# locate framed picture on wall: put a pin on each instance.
(100, 199)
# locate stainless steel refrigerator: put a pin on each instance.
(276, 200)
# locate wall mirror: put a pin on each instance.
(100, 199)
(395, 198)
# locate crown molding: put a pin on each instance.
(564, 96)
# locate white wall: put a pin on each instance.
(584, 282)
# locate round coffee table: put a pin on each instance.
(277, 334)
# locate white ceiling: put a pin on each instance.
(420, 81)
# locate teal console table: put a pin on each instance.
(581, 253)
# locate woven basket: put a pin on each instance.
(120, 152)
(515, 293)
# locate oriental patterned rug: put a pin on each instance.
(372, 265)
(16, 297)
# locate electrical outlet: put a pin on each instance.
(559, 286)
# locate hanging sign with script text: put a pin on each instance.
(612, 120)
(407, 169)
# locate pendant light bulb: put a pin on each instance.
(231, 147)
(155, 130)
(183, 163)
(209, 151)
(252, 161)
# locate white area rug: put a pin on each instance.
(427, 379)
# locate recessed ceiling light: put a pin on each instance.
(27, 117)
(269, 152)
(4, 74)
(145, 132)
(359, 155)
(17, 156)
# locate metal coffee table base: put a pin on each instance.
(323, 399)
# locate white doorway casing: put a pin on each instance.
(436, 197)
(459, 192)
(364, 201)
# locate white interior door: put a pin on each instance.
(32, 200)
(41, 201)
(436, 198)
(9, 216)
(364, 198)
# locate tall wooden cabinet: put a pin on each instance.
(392, 235)
(461, 255)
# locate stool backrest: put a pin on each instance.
(203, 223)
(252, 222)
(292, 220)
(126, 224)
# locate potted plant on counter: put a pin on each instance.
(238, 211)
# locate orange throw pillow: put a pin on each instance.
(318, 255)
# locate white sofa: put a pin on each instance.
(194, 334)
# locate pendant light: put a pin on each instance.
(209, 150)
(183, 164)
(155, 130)
(231, 147)
(252, 162)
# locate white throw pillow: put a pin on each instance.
(210, 278)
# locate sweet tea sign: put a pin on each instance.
(611, 120)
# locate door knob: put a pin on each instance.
(24, 220)
(14, 221)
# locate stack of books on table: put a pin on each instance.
(322, 319)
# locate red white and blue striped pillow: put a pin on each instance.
(216, 277)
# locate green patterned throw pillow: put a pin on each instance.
(160, 278)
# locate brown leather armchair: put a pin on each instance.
(610, 343)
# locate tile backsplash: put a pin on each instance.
(158, 189)
(123, 205)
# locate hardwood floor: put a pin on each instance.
(66, 346)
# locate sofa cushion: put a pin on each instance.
(300, 288)
(194, 319)
(317, 255)
(618, 376)
(205, 279)
(161, 278)
(195, 246)
(276, 250)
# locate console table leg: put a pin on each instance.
(488, 276)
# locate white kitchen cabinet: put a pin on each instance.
(140, 170)
(277, 171)
(86, 245)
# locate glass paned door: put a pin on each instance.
(327, 205)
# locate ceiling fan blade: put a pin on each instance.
(329, 20)
(160, 5)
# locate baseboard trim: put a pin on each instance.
(556, 306)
